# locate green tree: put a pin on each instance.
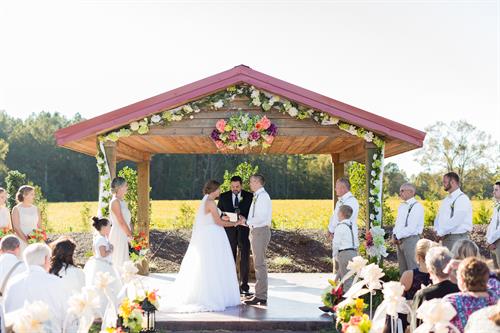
(245, 170)
(393, 178)
(457, 146)
(13, 182)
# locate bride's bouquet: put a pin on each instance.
(4, 232)
(38, 235)
(138, 247)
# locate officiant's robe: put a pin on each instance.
(37, 285)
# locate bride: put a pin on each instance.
(207, 278)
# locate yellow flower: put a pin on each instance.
(360, 305)
(228, 128)
(125, 308)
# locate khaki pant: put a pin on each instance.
(341, 260)
(259, 240)
(495, 255)
(406, 253)
(450, 239)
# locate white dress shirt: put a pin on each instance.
(37, 285)
(410, 219)
(7, 261)
(343, 238)
(493, 232)
(261, 211)
(455, 220)
(349, 200)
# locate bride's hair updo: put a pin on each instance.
(211, 186)
(23, 191)
(117, 183)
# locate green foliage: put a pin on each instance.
(431, 209)
(393, 178)
(357, 177)
(186, 218)
(483, 215)
(245, 170)
(131, 197)
(85, 214)
(14, 181)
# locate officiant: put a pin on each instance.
(238, 201)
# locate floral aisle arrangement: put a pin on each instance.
(351, 317)
(243, 131)
(332, 295)
(138, 247)
(130, 316)
(375, 242)
(264, 100)
(34, 317)
(38, 235)
(436, 315)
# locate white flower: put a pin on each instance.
(273, 100)
(103, 280)
(85, 303)
(32, 317)
(372, 216)
(436, 315)
(375, 156)
(245, 119)
(253, 143)
(176, 117)
(128, 271)
(156, 118)
(352, 130)
(187, 108)
(377, 231)
(218, 104)
(369, 136)
(134, 126)
(244, 135)
(293, 111)
(196, 110)
(100, 160)
(255, 94)
(191, 117)
(371, 276)
(373, 173)
(256, 101)
(327, 121)
(393, 296)
(357, 264)
(353, 329)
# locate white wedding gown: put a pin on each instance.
(207, 278)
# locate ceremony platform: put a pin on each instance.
(292, 305)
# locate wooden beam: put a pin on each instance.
(282, 132)
(110, 149)
(353, 152)
(143, 189)
(127, 152)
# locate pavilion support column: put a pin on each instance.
(110, 149)
(370, 150)
(338, 171)
(143, 189)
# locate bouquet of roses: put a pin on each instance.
(351, 318)
(4, 232)
(138, 247)
(332, 294)
(38, 235)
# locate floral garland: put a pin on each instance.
(242, 131)
(266, 101)
(104, 181)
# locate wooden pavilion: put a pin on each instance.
(192, 136)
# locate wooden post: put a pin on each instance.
(143, 187)
(371, 149)
(337, 172)
(110, 149)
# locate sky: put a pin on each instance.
(415, 62)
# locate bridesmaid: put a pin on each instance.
(5, 221)
(121, 230)
(25, 215)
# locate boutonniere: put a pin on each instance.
(497, 205)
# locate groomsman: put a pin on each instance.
(343, 191)
(454, 218)
(408, 228)
(238, 200)
(493, 232)
(259, 222)
(343, 244)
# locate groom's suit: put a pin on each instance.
(238, 236)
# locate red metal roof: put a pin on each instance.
(239, 74)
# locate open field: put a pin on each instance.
(177, 214)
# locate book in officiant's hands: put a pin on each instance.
(233, 217)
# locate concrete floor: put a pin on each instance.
(292, 306)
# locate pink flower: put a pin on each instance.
(220, 125)
(265, 122)
(233, 136)
(219, 144)
(269, 139)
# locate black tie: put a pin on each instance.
(236, 201)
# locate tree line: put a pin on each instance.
(28, 146)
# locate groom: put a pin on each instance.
(238, 200)
(259, 222)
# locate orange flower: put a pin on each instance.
(259, 126)
(265, 122)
